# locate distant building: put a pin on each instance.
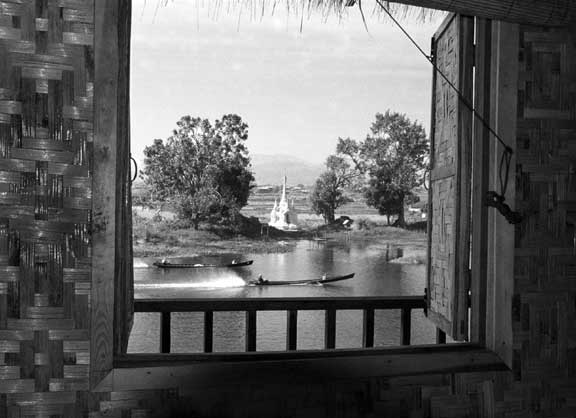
(283, 215)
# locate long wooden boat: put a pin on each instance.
(321, 280)
(168, 265)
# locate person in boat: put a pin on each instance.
(164, 261)
(233, 262)
(261, 280)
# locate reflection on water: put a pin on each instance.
(375, 276)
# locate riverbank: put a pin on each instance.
(162, 239)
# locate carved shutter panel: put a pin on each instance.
(449, 223)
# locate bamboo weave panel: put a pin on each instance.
(46, 134)
(544, 310)
(445, 279)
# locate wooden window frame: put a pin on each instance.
(491, 334)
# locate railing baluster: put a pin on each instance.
(405, 326)
(251, 330)
(291, 305)
(291, 329)
(208, 331)
(330, 329)
(440, 336)
(165, 332)
(368, 328)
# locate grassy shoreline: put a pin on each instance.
(161, 239)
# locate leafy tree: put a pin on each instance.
(392, 159)
(203, 168)
(327, 195)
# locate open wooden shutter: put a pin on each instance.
(449, 199)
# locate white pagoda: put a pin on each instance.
(283, 215)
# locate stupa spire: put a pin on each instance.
(284, 189)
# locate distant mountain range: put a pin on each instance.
(270, 169)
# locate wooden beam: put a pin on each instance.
(480, 166)
(123, 277)
(500, 278)
(463, 201)
(531, 12)
(106, 73)
(278, 304)
(144, 371)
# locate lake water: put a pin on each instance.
(376, 275)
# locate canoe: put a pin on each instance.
(321, 280)
(168, 265)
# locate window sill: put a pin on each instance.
(162, 371)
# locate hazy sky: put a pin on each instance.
(298, 91)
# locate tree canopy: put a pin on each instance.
(392, 159)
(327, 195)
(203, 168)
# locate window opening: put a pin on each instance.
(246, 318)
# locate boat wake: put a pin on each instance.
(139, 264)
(217, 283)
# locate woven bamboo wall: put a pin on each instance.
(46, 133)
(544, 308)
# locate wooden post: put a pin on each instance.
(368, 328)
(440, 336)
(104, 182)
(330, 329)
(251, 330)
(165, 332)
(291, 329)
(480, 165)
(504, 115)
(208, 331)
(405, 326)
(463, 181)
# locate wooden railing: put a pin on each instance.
(330, 305)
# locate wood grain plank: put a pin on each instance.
(480, 166)
(500, 280)
(463, 183)
(278, 304)
(105, 145)
(155, 371)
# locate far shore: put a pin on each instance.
(159, 241)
